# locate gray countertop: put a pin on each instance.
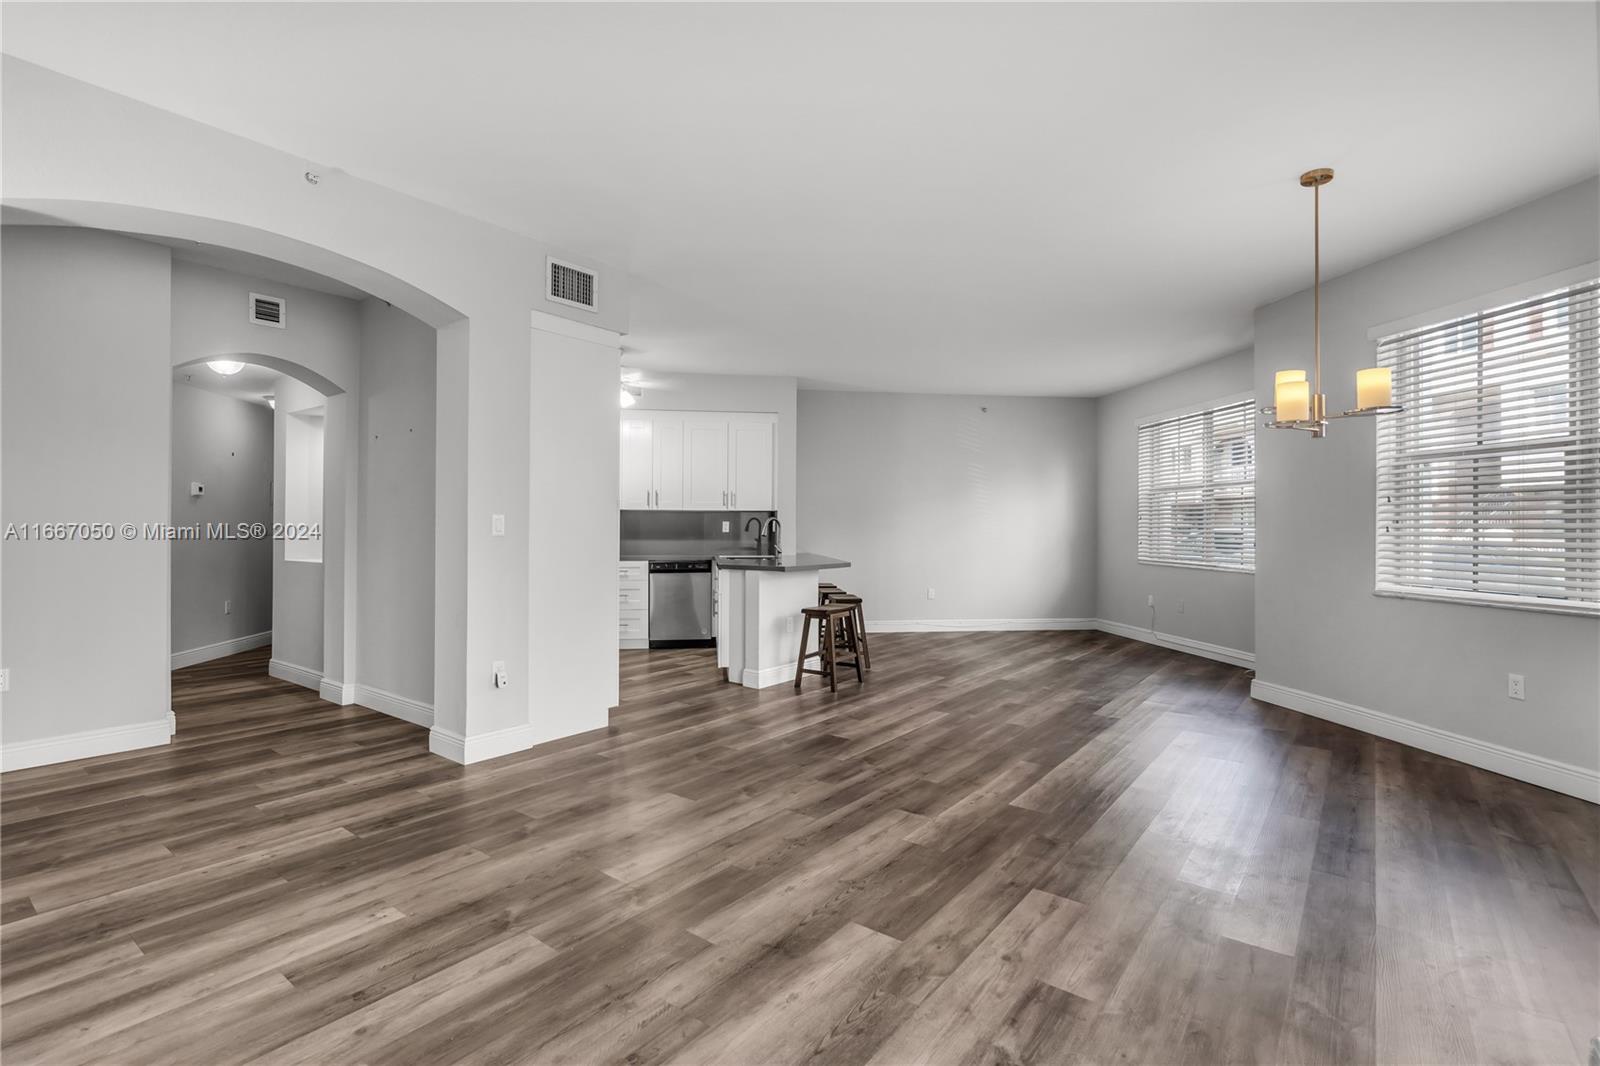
(797, 561)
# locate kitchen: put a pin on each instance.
(706, 485)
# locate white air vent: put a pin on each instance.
(571, 285)
(268, 311)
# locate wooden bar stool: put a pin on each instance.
(836, 632)
(824, 590)
(858, 622)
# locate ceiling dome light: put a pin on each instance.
(225, 367)
(627, 399)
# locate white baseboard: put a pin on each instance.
(220, 650)
(1534, 769)
(772, 675)
(172, 723)
(409, 710)
(296, 675)
(339, 692)
(1232, 656)
(22, 754)
(467, 750)
(974, 625)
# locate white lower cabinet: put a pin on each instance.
(633, 604)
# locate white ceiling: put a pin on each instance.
(252, 384)
(993, 199)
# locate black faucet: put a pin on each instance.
(773, 528)
(757, 520)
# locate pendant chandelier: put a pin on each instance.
(1298, 403)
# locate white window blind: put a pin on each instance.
(1197, 489)
(1488, 481)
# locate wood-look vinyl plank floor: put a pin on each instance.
(1002, 848)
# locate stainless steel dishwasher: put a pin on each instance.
(680, 604)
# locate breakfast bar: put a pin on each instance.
(759, 600)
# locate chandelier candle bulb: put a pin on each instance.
(1293, 400)
(1374, 388)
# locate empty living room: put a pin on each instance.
(1143, 459)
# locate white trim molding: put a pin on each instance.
(1232, 656)
(295, 675)
(340, 692)
(402, 707)
(19, 755)
(1523, 766)
(772, 675)
(975, 625)
(220, 650)
(467, 750)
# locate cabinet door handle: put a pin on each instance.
(724, 497)
(735, 501)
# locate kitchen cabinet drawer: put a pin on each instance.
(633, 572)
(633, 625)
(633, 598)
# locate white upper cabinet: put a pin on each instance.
(750, 473)
(694, 461)
(705, 462)
(668, 460)
(637, 489)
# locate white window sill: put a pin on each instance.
(1513, 603)
(1247, 571)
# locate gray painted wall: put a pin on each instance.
(1218, 607)
(994, 510)
(226, 444)
(1319, 627)
(395, 553)
(86, 387)
(731, 392)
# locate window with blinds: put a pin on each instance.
(1197, 489)
(1489, 480)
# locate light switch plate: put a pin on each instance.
(497, 525)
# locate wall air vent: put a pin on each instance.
(268, 311)
(571, 285)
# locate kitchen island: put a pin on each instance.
(759, 599)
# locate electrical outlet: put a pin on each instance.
(5, 680)
(788, 624)
(1515, 687)
(1150, 600)
(227, 606)
(725, 527)
(501, 678)
(1180, 606)
(930, 592)
(497, 525)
